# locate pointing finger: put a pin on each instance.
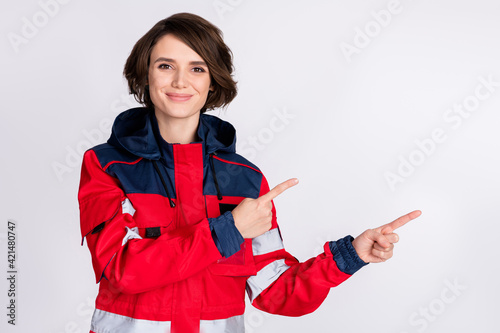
(399, 222)
(278, 189)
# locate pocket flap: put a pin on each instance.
(239, 264)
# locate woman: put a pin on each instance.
(177, 223)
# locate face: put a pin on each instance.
(178, 79)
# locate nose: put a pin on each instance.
(179, 80)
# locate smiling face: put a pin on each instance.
(178, 78)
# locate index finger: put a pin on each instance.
(278, 189)
(399, 222)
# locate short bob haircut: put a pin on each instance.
(201, 36)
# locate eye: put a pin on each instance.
(163, 66)
(198, 70)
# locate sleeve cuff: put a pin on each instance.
(226, 236)
(345, 255)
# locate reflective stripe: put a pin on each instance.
(104, 322)
(267, 242)
(267, 275)
(131, 234)
(234, 324)
(127, 207)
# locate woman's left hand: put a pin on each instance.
(376, 245)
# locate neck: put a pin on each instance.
(178, 130)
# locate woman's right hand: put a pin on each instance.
(253, 217)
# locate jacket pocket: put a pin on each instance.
(95, 213)
(153, 215)
(239, 264)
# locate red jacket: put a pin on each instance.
(148, 210)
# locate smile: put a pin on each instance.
(179, 97)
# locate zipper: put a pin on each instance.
(219, 195)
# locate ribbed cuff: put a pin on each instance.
(345, 255)
(226, 236)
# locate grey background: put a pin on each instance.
(351, 121)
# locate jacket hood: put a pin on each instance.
(136, 131)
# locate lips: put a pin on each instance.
(179, 97)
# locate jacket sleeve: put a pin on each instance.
(287, 287)
(133, 264)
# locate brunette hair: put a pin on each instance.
(201, 36)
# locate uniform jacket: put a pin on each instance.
(150, 211)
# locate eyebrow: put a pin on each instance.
(172, 60)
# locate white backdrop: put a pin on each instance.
(378, 107)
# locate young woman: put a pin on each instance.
(178, 224)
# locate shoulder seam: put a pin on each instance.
(122, 162)
(236, 163)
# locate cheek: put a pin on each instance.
(203, 86)
(156, 79)
(157, 82)
(155, 89)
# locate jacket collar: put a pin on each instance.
(136, 131)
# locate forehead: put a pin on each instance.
(169, 46)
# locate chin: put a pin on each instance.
(178, 113)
